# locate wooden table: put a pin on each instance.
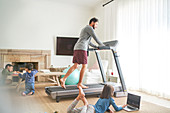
(54, 79)
(55, 76)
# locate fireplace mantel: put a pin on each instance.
(43, 57)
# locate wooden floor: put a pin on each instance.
(13, 102)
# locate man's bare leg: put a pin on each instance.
(83, 69)
(62, 80)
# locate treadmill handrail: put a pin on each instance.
(113, 49)
(108, 46)
(102, 48)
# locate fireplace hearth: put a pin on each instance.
(41, 59)
(20, 56)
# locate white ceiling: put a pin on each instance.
(87, 3)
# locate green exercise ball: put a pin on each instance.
(73, 78)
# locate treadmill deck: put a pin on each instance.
(57, 92)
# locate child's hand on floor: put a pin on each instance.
(124, 106)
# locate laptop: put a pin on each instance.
(133, 102)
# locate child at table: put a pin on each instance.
(29, 79)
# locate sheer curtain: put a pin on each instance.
(143, 30)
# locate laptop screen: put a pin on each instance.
(133, 100)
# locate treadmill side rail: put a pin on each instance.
(113, 49)
(119, 70)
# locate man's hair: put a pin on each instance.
(93, 20)
(8, 65)
(107, 92)
(29, 66)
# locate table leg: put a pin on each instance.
(18, 86)
(57, 79)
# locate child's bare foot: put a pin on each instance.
(62, 83)
(23, 94)
(82, 86)
(81, 92)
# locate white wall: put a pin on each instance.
(98, 13)
(34, 24)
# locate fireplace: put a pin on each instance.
(41, 59)
(20, 66)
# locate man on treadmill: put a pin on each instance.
(80, 51)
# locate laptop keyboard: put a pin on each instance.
(130, 107)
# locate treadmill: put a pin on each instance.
(57, 92)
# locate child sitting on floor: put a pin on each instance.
(103, 104)
(29, 79)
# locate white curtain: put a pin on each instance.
(143, 30)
